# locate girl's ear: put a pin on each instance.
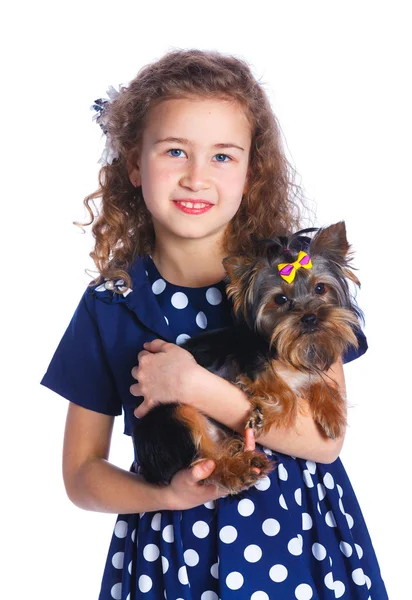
(134, 170)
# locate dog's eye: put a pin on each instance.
(280, 299)
(320, 288)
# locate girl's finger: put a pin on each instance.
(140, 411)
(155, 345)
(135, 390)
(134, 372)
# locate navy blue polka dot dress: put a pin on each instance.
(298, 534)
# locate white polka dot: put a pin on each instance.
(267, 451)
(304, 592)
(340, 490)
(252, 553)
(339, 589)
(245, 507)
(141, 515)
(368, 582)
(358, 576)
(321, 491)
(156, 521)
(167, 321)
(329, 581)
(298, 496)
(359, 550)
(129, 568)
(210, 504)
(330, 519)
(282, 502)
(330, 560)
(295, 546)
(145, 583)
(120, 529)
(116, 591)
(307, 479)
(201, 320)
(191, 557)
(182, 575)
(168, 534)
(151, 552)
(158, 286)
(228, 534)
(118, 560)
(179, 300)
(318, 551)
(213, 296)
(133, 536)
(271, 527)
(214, 570)
(346, 548)
(342, 508)
(311, 466)
(182, 338)
(259, 596)
(165, 564)
(128, 596)
(318, 507)
(306, 521)
(263, 484)
(350, 520)
(278, 573)
(234, 580)
(329, 481)
(283, 474)
(200, 529)
(209, 595)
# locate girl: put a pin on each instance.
(194, 167)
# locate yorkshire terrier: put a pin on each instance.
(294, 316)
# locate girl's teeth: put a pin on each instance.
(193, 205)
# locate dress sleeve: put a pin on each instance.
(79, 370)
(353, 353)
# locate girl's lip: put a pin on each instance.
(192, 211)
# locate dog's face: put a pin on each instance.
(310, 319)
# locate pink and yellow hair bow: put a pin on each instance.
(288, 270)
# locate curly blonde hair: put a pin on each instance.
(123, 228)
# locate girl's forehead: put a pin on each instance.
(189, 118)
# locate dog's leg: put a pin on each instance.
(273, 401)
(236, 468)
(328, 409)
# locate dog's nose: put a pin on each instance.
(309, 319)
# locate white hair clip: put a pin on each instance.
(100, 105)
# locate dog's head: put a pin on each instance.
(294, 291)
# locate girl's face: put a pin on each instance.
(193, 165)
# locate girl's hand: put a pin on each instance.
(185, 490)
(161, 372)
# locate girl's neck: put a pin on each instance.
(192, 263)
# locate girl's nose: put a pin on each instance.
(195, 177)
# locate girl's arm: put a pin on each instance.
(167, 372)
(92, 483)
(227, 404)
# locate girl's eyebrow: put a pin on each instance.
(185, 141)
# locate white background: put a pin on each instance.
(338, 75)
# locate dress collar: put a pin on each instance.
(139, 299)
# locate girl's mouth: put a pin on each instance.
(192, 208)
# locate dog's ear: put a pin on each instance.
(331, 242)
(236, 266)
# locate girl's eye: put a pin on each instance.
(220, 156)
(320, 288)
(280, 299)
(174, 150)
